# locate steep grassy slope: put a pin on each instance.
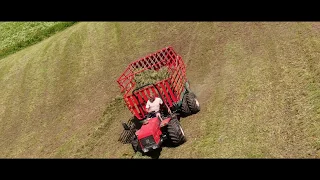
(258, 84)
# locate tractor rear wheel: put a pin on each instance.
(193, 103)
(135, 144)
(175, 132)
(184, 107)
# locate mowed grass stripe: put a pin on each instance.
(15, 36)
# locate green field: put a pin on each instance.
(258, 85)
(15, 36)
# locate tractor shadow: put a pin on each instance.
(155, 154)
(169, 144)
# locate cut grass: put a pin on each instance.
(15, 36)
(150, 76)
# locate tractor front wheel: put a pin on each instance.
(135, 144)
(175, 132)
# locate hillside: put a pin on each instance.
(258, 85)
(15, 36)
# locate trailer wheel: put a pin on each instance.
(193, 103)
(184, 107)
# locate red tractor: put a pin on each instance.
(174, 91)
